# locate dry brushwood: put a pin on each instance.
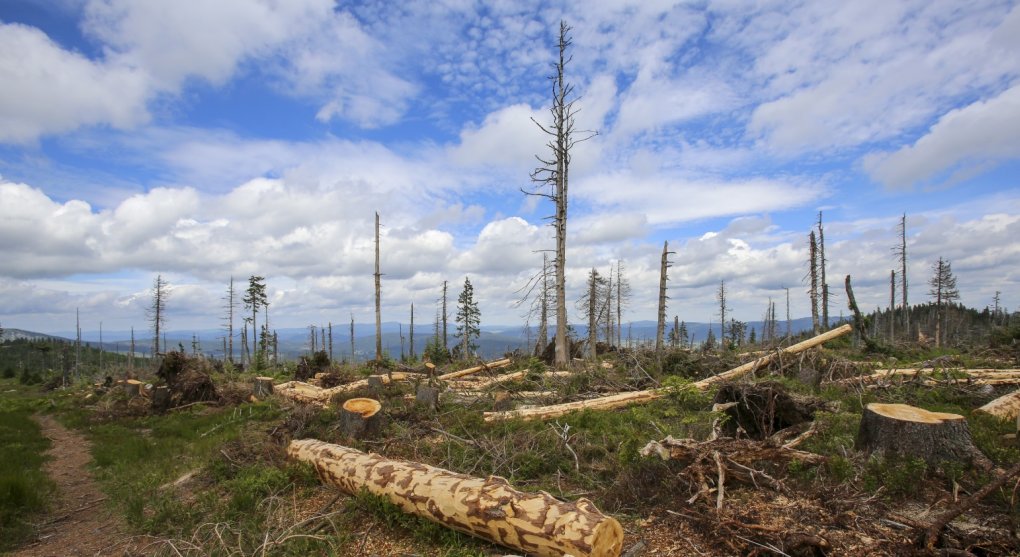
(726, 458)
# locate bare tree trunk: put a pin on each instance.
(230, 320)
(353, 359)
(822, 264)
(892, 306)
(445, 348)
(721, 297)
(592, 323)
(378, 299)
(77, 343)
(813, 270)
(789, 322)
(330, 342)
(412, 330)
(609, 308)
(663, 277)
(902, 252)
(619, 303)
(131, 356)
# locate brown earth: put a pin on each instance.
(78, 522)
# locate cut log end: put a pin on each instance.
(907, 413)
(365, 407)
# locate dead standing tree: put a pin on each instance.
(822, 261)
(813, 274)
(554, 174)
(157, 310)
(378, 311)
(660, 328)
(901, 253)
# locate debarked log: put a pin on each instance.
(637, 397)
(489, 508)
(1006, 407)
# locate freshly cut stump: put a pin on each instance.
(361, 417)
(133, 388)
(905, 430)
(263, 387)
(489, 508)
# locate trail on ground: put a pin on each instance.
(78, 522)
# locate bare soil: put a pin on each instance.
(78, 522)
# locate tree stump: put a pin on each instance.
(502, 402)
(935, 437)
(361, 417)
(263, 387)
(161, 400)
(427, 396)
(133, 388)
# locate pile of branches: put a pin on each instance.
(187, 378)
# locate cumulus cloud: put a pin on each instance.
(45, 89)
(962, 141)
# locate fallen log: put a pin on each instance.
(471, 370)
(637, 397)
(936, 437)
(515, 376)
(978, 374)
(1006, 407)
(489, 508)
(300, 391)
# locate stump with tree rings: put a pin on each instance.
(263, 387)
(361, 417)
(935, 437)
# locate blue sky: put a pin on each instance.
(204, 140)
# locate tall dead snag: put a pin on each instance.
(901, 252)
(660, 328)
(821, 271)
(157, 311)
(378, 299)
(554, 174)
(936, 437)
(230, 304)
(638, 397)
(489, 508)
(813, 274)
(859, 325)
(892, 306)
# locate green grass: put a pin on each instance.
(24, 486)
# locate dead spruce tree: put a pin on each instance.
(230, 304)
(720, 296)
(901, 253)
(822, 261)
(664, 265)
(552, 179)
(378, 298)
(536, 293)
(622, 296)
(892, 306)
(157, 311)
(944, 292)
(813, 274)
(593, 305)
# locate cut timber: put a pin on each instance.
(638, 397)
(976, 375)
(515, 376)
(491, 365)
(263, 387)
(361, 417)
(1006, 407)
(302, 392)
(489, 508)
(936, 437)
(362, 383)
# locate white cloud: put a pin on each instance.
(45, 89)
(670, 199)
(964, 139)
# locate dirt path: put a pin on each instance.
(78, 522)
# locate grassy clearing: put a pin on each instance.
(24, 487)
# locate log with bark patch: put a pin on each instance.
(935, 437)
(361, 417)
(489, 508)
(638, 397)
(977, 376)
(1006, 407)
